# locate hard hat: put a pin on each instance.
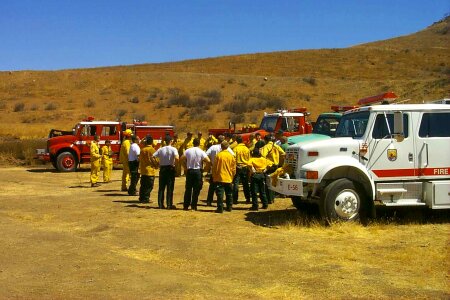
(128, 132)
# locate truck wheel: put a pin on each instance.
(66, 162)
(341, 201)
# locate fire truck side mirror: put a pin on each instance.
(398, 126)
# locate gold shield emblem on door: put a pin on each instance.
(392, 154)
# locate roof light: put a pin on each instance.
(384, 98)
(340, 108)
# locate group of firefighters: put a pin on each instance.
(227, 161)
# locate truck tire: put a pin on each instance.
(341, 200)
(66, 162)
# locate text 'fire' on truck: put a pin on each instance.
(391, 155)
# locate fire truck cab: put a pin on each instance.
(67, 149)
(393, 155)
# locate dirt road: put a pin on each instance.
(62, 239)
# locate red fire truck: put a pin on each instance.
(67, 149)
(291, 122)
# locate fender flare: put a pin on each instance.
(328, 166)
(54, 151)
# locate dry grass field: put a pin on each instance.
(62, 239)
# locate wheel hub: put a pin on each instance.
(346, 204)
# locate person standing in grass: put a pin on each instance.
(95, 161)
(147, 166)
(192, 161)
(168, 157)
(223, 171)
(258, 166)
(242, 157)
(123, 158)
(133, 164)
(107, 162)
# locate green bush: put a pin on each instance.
(50, 106)
(19, 106)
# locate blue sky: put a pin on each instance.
(62, 34)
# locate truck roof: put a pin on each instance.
(99, 123)
(284, 114)
(402, 107)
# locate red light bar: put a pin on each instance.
(339, 108)
(300, 110)
(385, 97)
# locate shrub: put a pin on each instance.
(89, 103)
(134, 100)
(214, 96)
(237, 118)
(120, 113)
(20, 106)
(231, 81)
(153, 94)
(311, 80)
(139, 117)
(180, 99)
(34, 107)
(50, 106)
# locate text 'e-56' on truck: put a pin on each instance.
(393, 155)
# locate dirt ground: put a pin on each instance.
(62, 239)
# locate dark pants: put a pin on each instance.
(194, 184)
(269, 193)
(134, 176)
(211, 189)
(166, 179)
(147, 183)
(241, 176)
(258, 186)
(222, 188)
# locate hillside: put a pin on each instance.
(203, 93)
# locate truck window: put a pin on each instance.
(108, 130)
(289, 124)
(353, 124)
(435, 125)
(380, 129)
(269, 123)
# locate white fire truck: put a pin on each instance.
(394, 155)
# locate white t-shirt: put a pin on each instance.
(195, 157)
(134, 152)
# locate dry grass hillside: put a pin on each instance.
(203, 93)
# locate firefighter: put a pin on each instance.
(123, 158)
(242, 156)
(177, 142)
(258, 166)
(107, 162)
(147, 166)
(223, 171)
(202, 141)
(211, 140)
(95, 161)
(251, 142)
(275, 154)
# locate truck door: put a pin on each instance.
(389, 159)
(111, 132)
(433, 145)
(87, 135)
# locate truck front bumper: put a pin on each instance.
(42, 154)
(289, 187)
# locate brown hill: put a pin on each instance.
(203, 93)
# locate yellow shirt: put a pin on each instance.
(94, 151)
(106, 154)
(251, 144)
(188, 143)
(233, 145)
(202, 144)
(147, 163)
(224, 167)
(258, 164)
(272, 152)
(124, 150)
(211, 140)
(242, 154)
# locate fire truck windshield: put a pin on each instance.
(353, 125)
(269, 123)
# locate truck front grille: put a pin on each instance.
(292, 158)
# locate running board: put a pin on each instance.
(391, 191)
(405, 203)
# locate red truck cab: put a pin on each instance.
(67, 149)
